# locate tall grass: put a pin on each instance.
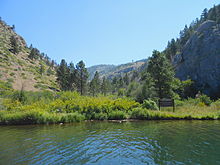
(64, 107)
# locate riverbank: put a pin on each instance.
(68, 107)
(39, 117)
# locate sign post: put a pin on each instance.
(167, 103)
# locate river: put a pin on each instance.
(139, 142)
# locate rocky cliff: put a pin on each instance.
(200, 59)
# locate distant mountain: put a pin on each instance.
(18, 69)
(110, 71)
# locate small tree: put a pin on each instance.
(42, 69)
(14, 45)
(34, 54)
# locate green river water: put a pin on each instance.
(137, 142)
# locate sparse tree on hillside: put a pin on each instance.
(34, 54)
(14, 45)
(42, 69)
(13, 27)
(204, 15)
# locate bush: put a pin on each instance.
(139, 113)
(117, 115)
(150, 104)
(205, 99)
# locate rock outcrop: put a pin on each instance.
(200, 59)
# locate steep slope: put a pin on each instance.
(18, 69)
(111, 71)
(200, 58)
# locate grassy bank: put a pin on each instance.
(66, 107)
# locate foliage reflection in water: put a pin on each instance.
(140, 142)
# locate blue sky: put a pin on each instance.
(100, 31)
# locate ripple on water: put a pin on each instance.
(147, 142)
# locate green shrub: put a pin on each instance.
(12, 74)
(139, 113)
(100, 116)
(19, 96)
(179, 103)
(72, 117)
(205, 99)
(117, 115)
(149, 104)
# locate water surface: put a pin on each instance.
(140, 142)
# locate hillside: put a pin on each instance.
(111, 71)
(18, 69)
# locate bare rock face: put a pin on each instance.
(200, 59)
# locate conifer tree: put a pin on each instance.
(14, 45)
(63, 75)
(34, 54)
(42, 69)
(104, 86)
(204, 15)
(161, 71)
(82, 76)
(95, 84)
(126, 79)
(72, 76)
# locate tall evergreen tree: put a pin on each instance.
(72, 76)
(82, 77)
(204, 15)
(63, 75)
(95, 84)
(104, 86)
(161, 71)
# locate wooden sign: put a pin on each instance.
(166, 103)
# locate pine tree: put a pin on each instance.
(14, 45)
(126, 79)
(104, 86)
(204, 15)
(95, 84)
(72, 76)
(82, 76)
(34, 54)
(212, 13)
(63, 75)
(161, 71)
(42, 69)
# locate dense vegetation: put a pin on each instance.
(20, 107)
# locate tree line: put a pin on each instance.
(157, 80)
